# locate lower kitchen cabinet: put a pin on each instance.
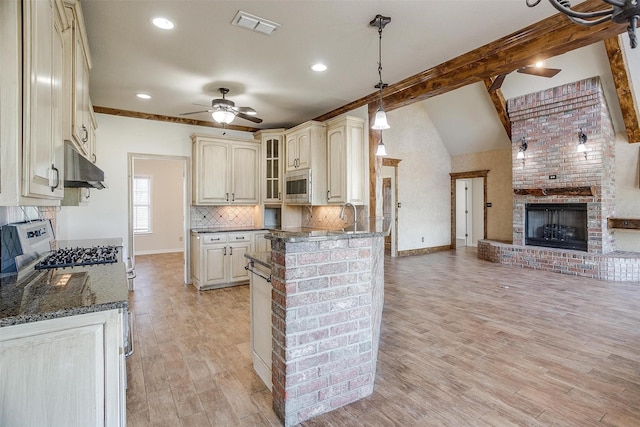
(217, 259)
(68, 371)
(260, 242)
(261, 333)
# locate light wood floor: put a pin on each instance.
(464, 343)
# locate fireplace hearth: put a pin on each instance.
(556, 225)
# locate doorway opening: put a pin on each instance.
(390, 203)
(159, 216)
(468, 208)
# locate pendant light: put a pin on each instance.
(381, 150)
(380, 121)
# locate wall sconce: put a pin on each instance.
(522, 149)
(582, 138)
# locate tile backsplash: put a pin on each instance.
(328, 217)
(221, 216)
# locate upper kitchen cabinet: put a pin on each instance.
(306, 146)
(225, 171)
(346, 156)
(77, 75)
(43, 103)
(272, 154)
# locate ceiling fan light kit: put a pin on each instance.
(619, 12)
(225, 111)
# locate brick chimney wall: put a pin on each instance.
(550, 121)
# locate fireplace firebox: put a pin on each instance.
(556, 225)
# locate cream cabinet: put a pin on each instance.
(79, 63)
(217, 259)
(261, 333)
(260, 242)
(346, 157)
(305, 146)
(68, 371)
(224, 171)
(272, 165)
(43, 141)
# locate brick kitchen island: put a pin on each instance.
(327, 298)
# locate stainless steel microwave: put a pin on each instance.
(298, 187)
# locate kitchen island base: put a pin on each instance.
(328, 294)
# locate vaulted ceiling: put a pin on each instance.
(187, 65)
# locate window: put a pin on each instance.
(142, 204)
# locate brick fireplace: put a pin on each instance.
(554, 173)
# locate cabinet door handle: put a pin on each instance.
(88, 193)
(95, 159)
(224, 251)
(55, 169)
(227, 197)
(85, 134)
(230, 250)
(240, 238)
(233, 197)
(328, 194)
(279, 195)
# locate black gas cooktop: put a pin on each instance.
(75, 257)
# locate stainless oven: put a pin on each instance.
(298, 187)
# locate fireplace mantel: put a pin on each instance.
(555, 191)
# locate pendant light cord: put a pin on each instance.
(381, 84)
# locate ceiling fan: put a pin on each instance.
(224, 111)
(534, 71)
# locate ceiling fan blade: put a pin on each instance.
(248, 117)
(196, 112)
(497, 82)
(246, 110)
(539, 71)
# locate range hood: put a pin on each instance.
(80, 172)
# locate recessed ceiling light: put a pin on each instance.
(163, 23)
(143, 96)
(318, 67)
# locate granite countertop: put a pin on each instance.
(261, 258)
(372, 227)
(33, 295)
(199, 230)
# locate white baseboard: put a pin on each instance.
(159, 251)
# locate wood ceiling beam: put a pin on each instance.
(500, 105)
(547, 38)
(623, 89)
(161, 118)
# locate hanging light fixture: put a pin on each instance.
(620, 12)
(381, 150)
(522, 149)
(380, 121)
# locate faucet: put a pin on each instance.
(355, 215)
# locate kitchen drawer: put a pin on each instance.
(213, 238)
(240, 237)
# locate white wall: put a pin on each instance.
(627, 191)
(106, 215)
(423, 178)
(167, 206)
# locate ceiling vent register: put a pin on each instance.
(254, 23)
